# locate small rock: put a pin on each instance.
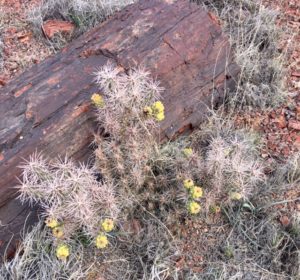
(285, 221)
(281, 122)
(293, 124)
(286, 151)
(12, 30)
(297, 85)
(51, 27)
(273, 115)
(297, 142)
(296, 74)
(25, 37)
(2, 82)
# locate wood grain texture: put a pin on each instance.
(47, 108)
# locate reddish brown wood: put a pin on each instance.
(47, 108)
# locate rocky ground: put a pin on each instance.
(281, 127)
(21, 48)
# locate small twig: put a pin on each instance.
(278, 202)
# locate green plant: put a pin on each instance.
(131, 162)
(71, 197)
(231, 163)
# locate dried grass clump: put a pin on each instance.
(84, 13)
(68, 194)
(143, 250)
(291, 169)
(254, 37)
(258, 247)
(35, 259)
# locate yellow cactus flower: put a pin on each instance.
(148, 111)
(62, 252)
(51, 223)
(196, 192)
(98, 100)
(158, 107)
(188, 152)
(108, 225)
(157, 110)
(159, 116)
(58, 232)
(101, 241)
(194, 207)
(188, 183)
(235, 196)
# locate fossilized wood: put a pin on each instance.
(47, 108)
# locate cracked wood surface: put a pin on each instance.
(47, 108)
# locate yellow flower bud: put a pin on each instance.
(188, 152)
(108, 225)
(148, 111)
(158, 107)
(235, 196)
(58, 232)
(160, 116)
(51, 223)
(62, 251)
(188, 183)
(196, 192)
(194, 207)
(98, 100)
(101, 241)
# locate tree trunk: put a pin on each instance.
(47, 109)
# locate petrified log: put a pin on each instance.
(47, 108)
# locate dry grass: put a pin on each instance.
(144, 249)
(257, 246)
(35, 259)
(85, 14)
(254, 37)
